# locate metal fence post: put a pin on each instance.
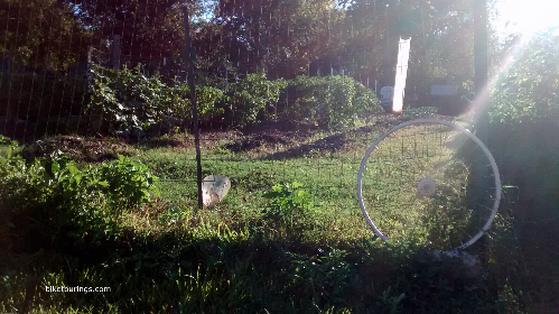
(189, 57)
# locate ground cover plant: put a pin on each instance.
(288, 238)
(103, 194)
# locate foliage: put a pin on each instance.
(249, 98)
(54, 195)
(333, 101)
(212, 261)
(289, 204)
(149, 31)
(258, 40)
(321, 36)
(41, 33)
(209, 102)
(521, 133)
(129, 183)
(524, 111)
(7, 141)
(523, 121)
(357, 38)
(132, 102)
(527, 91)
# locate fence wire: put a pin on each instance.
(48, 50)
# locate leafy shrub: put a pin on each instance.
(209, 102)
(8, 147)
(528, 90)
(524, 123)
(248, 99)
(54, 196)
(335, 101)
(131, 102)
(129, 183)
(290, 204)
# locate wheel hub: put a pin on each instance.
(426, 187)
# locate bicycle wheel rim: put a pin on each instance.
(425, 184)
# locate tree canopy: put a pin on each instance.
(282, 38)
(41, 34)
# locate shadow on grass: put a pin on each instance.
(337, 141)
(183, 273)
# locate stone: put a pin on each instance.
(214, 189)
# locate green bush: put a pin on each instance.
(128, 183)
(209, 102)
(131, 102)
(527, 92)
(56, 197)
(334, 101)
(524, 121)
(248, 99)
(290, 206)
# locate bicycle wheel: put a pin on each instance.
(430, 182)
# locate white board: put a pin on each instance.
(401, 75)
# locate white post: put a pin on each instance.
(401, 75)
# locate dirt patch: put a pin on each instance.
(277, 140)
(334, 142)
(78, 148)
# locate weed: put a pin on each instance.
(266, 247)
(290, 207)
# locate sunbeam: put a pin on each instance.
(521, 21)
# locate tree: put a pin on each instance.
(368, 45)
(281, 38)
(527, 91)
(41, 34)
(149, 30)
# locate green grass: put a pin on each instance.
(329, 181)
(442, 221)
(433, 155)
(235, 258)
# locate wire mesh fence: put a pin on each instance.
(57, 57)
(50, 50)
(89, 70)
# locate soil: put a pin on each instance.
(280, 140)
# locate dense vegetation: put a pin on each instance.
(127, 102)
(273, 244)
(284, 39)
(523, 122)
(289, 237)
